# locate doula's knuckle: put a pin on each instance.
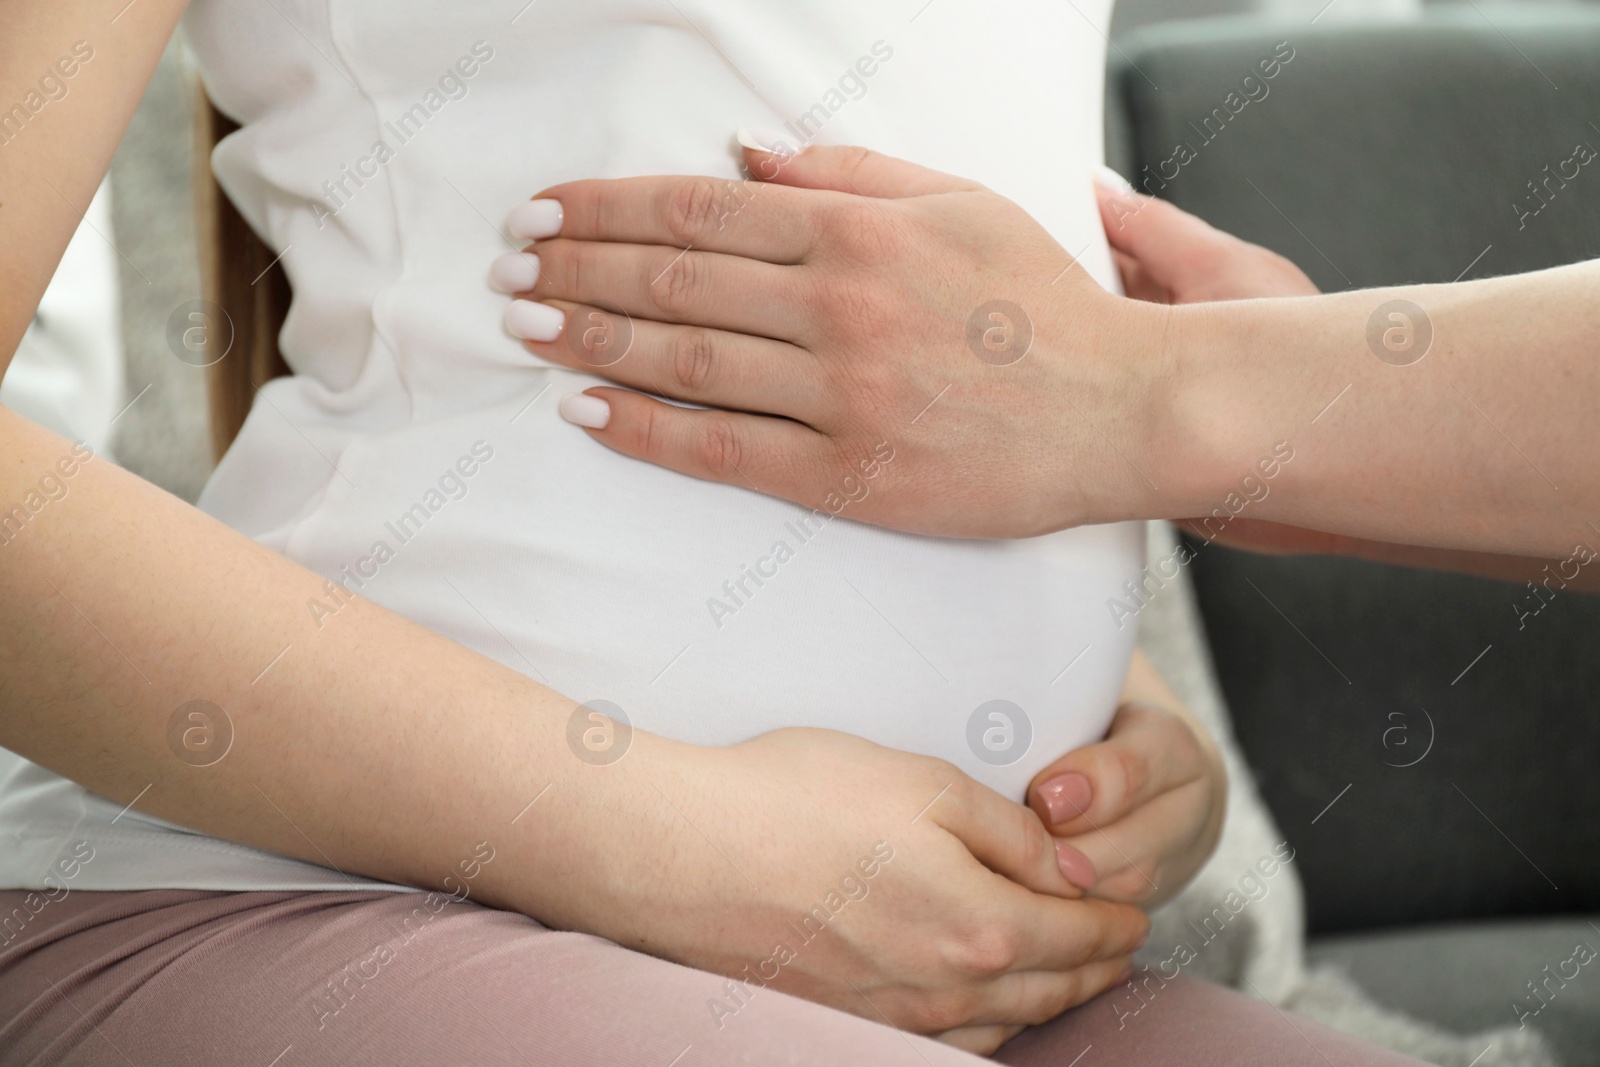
(694, 210)
(853, 160)
(721, 448)
(676, 283)
(693, 360)
(567, 261)
(859, 231)
(858, 311)
(648, 435)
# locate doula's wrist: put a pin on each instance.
(1169, 358)
(1210, 429)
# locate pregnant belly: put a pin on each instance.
(712, 614)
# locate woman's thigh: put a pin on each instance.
(179, 978)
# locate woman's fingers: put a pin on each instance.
(674, 285)
(1059, 936)
(1131, 854)
(1010, 840)
(979, 1040)
(1147, 752)
(1013, 1002)
(693, 363)
(735, 217)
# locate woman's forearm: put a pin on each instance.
(71, 74)
(369, 744)
(1474, 443)
(385, 750)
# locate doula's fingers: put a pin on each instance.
(769, 455)
(1170, 245)
(1136, 282)
(720, 369)
(776, 158)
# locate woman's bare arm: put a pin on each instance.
(368, 743)
(378, 747)
(374, 746)
(71, 74)
(118, 603)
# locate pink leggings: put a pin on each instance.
(177, 978)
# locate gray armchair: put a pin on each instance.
(1422, 151)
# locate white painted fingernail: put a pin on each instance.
(533, 321)
(1110, 180)
(581, 409)
(766, 141)
(535, 219)
(514, 272)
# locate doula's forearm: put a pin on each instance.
(370, 743)
(71, 74)
(1455, 416)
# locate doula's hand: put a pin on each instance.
(882, 883)
(845, 309)
(1168, 256)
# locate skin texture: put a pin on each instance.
(806, 303)
(379, 748)
(1157, 797)
(836, 296)
(1168, 256)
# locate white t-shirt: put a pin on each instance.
(417, 456)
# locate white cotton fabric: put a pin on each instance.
(528, 541)
(67, 372)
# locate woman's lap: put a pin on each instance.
(176, 977)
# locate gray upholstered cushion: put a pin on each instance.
(1389, 154)
(1471, 976)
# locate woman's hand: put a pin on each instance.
(868, 304)
(882, 883)
(1145, 806)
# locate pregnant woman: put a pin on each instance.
(236, 753)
